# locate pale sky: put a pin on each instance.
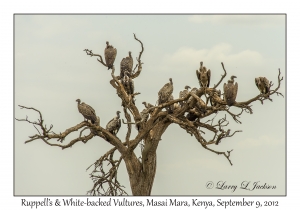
(52, 71)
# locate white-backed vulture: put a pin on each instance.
(165, 92)
(230, 91)
(203, 76)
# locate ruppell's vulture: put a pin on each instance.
(126, 65)
(110, 54)
(87, 111)
(212, 101)
(114, 125)
(128, 83)
(148, 106)
(262, 84)
(144, 115)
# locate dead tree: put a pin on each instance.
(141, 171)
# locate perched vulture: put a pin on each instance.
(126, 65)
(203, 76)
(194, 90)
(263, 84)
(87, 111)
(165, 92)
(110, 54)
(128, 83)
(148, 106)
(230, 91)
(114, 125)
(200, 107)
(144, 115)
(183, 93)
(212, 102)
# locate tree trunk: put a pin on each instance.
(141, 175)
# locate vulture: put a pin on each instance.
(183, 93)
(144, 115)
(87, 111)
(212, 102)
(165, 92)
(114, 125)
(194, 90)
(110, 54)
(200, 106)
(148, 106)
(126, 65)
(128, 83)
(263, 84)
(203, 76)
(230, 91)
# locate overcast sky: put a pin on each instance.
(52, 71)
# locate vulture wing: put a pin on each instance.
(235, 90)
(257, 81)
(208, 77)
(118, 126)
(266, 84)
(198, 75)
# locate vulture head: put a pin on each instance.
(78, 100)
(187, 87)
(201, 64)
(118, 113)
(107, 44)
(171, 81)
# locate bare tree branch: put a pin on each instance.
(136, 74)
(89, 52)
(223, 76)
